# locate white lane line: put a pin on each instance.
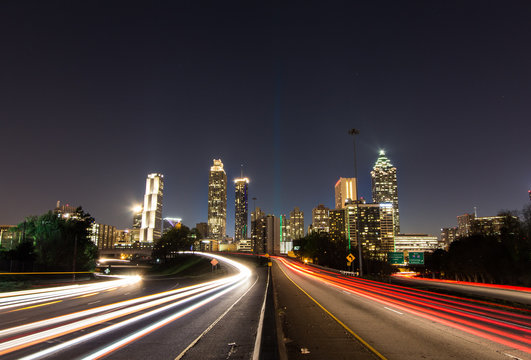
(94, 302)
(393, 310)
(192, 344)
(346, 292)
(258, 341)
(512, 356)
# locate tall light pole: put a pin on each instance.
(355, 132)
(253, 227)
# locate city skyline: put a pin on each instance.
(230, 221)
(284, 82)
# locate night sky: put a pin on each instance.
(94, 95)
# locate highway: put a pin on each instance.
(395, 322)
(503, 292)
(133, 318)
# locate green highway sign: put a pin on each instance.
(416, 258)
(395, 257)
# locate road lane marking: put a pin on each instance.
(393, 310)
(356, 336)
(86, 295)
(94, 302)
(258, 341)
(34, 306)
(192, 344)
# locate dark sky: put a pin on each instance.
(94, 95)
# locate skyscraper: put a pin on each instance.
(375, 223)
(152, 212)
(241, 208)
(337, 221)
(464, 224)
(258, 231)
(345, 190)
(320, 219)
(296, 224)
(217, 201)
(384, 186)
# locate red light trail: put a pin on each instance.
(487, 320)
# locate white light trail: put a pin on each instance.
(91, 317)
(25, 298)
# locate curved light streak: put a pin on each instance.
(198, 295)
(26, 298)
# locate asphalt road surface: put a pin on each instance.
(390, 322)
(215, 316)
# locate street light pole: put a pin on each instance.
(253, 228)
(74, 260)
(355, 132)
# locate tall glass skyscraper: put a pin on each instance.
(241, 208)
(152, 212)
(384, 186)
(217, 201)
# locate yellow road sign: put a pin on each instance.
(350, 257)
(266, 255)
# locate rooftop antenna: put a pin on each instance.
(241, 171)
(475, 212)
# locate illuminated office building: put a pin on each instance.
(104, 236)
(345, 191)
(296, 224)
(217, 201)
(376, 228)
(152, 212)
(488, 225)
(65, 211)
(9, 237)
(241, 208)
(416, 242)
(464, 224)
(123, 238)
(384, 186)
(448, 236)
(337, 225)
(320, 219)
(286, 244)
(258, 231)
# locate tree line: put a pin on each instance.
(50, 242)
(176, 239)
(503, 258)
(322, 250)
